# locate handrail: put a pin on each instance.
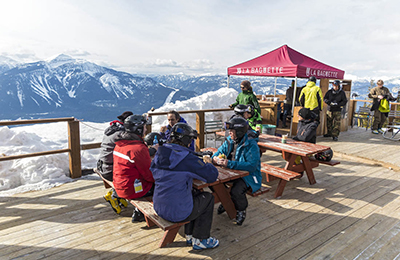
(36, 121)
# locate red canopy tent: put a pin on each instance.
(285, 62)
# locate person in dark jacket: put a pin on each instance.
(173, 118)
(336, 99)
(381, 107)
(132, 176)
(174, 167)
(241, 153)
(105, 162)
(307, 126)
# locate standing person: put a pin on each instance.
(311, 97)
(246, 97)
(381, 97)
(336, 99)
(174, 167)
(173, 118)
(132, 176)
(287, 107)
(105, 162)
(241, 153)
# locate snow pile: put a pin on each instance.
(43, 172)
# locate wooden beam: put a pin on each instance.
(200, 130)
(36, 121)
(21, 156)
(75, 149)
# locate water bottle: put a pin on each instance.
(138, 186)
(155, 141)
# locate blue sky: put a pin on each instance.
(197, 37)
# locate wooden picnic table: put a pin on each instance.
(220, 191)
(290, 150)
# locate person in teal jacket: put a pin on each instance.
(246, 97)
(241, 153)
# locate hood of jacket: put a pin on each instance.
(170, 155)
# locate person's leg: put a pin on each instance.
(238, 194)
(382, 120)
(200, 221)
(377, 119)
(336, 116)
(329, 123)
(138, 216)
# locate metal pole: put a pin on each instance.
(293, 103)
(228, 81)
(276, 78)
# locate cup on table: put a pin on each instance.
(284, 139)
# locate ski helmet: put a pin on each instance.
(313, 79)
(149, 138)
(184, 133)
(324, 156)
(240, 109)
(135, 124)
(238, 124)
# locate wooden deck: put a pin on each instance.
(352, 212)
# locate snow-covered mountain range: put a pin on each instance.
(64, 87)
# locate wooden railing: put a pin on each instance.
(73, 143)
(74, 147)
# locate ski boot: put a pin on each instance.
(113, 202)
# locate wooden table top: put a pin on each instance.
(224, 175)
(296, 147)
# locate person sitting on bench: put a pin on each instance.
(174, 167)
(132, 176)
(105, 162)
(240, 153)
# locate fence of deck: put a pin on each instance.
(75, 147)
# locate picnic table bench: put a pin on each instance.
(145, 205)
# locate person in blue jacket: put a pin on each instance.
(174, 167)
(241, 153)
(173, 118)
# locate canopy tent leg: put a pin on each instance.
(293, 104)
(228, 80)
(276, 78)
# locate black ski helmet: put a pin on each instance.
(184, 133)
(240, 109)
(238, 124)
(135, 124)
(324, 156)
(149, 138)
(313, 79)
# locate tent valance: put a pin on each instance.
(285, 62)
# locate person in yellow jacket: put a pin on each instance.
(311, 97)
(381, 97)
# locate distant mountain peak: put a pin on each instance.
(60, 60)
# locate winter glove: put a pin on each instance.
(334, 104)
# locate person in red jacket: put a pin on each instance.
(132, 177)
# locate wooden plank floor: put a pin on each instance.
(352, 212)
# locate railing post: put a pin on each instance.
(200, 130)
(75, 149)
(352, 109)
